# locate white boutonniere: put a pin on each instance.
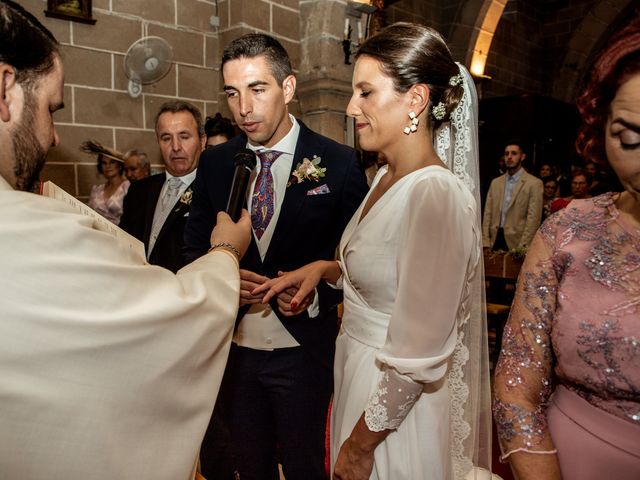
(307, 170)
(185, 199)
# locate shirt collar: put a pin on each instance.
(186, 179)
(516, 176)
(287, 144)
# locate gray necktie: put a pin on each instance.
(171, 194)
(167, 201)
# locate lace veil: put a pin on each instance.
(456, 143)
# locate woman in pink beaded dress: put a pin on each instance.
(567, 385)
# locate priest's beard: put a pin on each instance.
(29, 154)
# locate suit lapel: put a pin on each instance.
(150, 206)
(178, 210)
(516, 190)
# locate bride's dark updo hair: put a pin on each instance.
(410, 54)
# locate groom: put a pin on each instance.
(278, 380)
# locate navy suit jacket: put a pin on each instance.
(308, 228)
(137, 217)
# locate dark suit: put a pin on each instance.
(308, 228)
(137, 218)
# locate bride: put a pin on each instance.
(411, 379)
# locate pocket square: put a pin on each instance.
(321, 190)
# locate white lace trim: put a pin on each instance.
(457, 160)
(459, 390)
(462, 161)
(393, 393)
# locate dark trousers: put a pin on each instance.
(216, 453)
(276, 406)
(500, 243)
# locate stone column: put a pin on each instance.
(324, 80)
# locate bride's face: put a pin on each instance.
(380, 112)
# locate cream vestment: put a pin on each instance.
(109, 369)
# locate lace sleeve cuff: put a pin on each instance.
(505, 458)
(391, 402)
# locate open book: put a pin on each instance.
(129, 242)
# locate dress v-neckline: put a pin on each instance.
(386, 195)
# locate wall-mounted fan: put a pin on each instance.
(146, 62)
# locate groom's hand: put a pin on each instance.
(248, 282)
(284, 302)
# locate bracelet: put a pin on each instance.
(226, 245)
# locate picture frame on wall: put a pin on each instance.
(74, 10)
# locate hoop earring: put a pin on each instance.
(414, 124)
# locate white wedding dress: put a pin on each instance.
(406, 269)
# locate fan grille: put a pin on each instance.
(148, 60)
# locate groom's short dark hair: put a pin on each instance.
(255, 44)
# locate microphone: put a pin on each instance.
(245, 161)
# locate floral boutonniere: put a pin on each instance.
(307, 170)
(185, 199)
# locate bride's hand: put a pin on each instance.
(353, 463)
(284, 301)
(304, 280)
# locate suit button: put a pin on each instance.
(269, 341)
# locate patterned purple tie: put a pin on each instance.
(262, 202)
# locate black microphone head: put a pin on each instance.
(245, 157)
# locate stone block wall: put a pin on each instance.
(97, 104)
(517, 52)
(279, 18)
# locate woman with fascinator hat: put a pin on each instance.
(411, 394)
(107, 198)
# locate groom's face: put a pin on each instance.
(258, 102)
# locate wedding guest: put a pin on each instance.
(218, 129)
(157, 208)
(579, 190)
(136, 165)
(567, 385)
(546, 170)
(107, 198)
(513, 207)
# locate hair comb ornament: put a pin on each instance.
(455, 80)
(439, 111)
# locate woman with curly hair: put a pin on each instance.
(567, 385)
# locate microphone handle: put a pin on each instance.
(238, 195)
